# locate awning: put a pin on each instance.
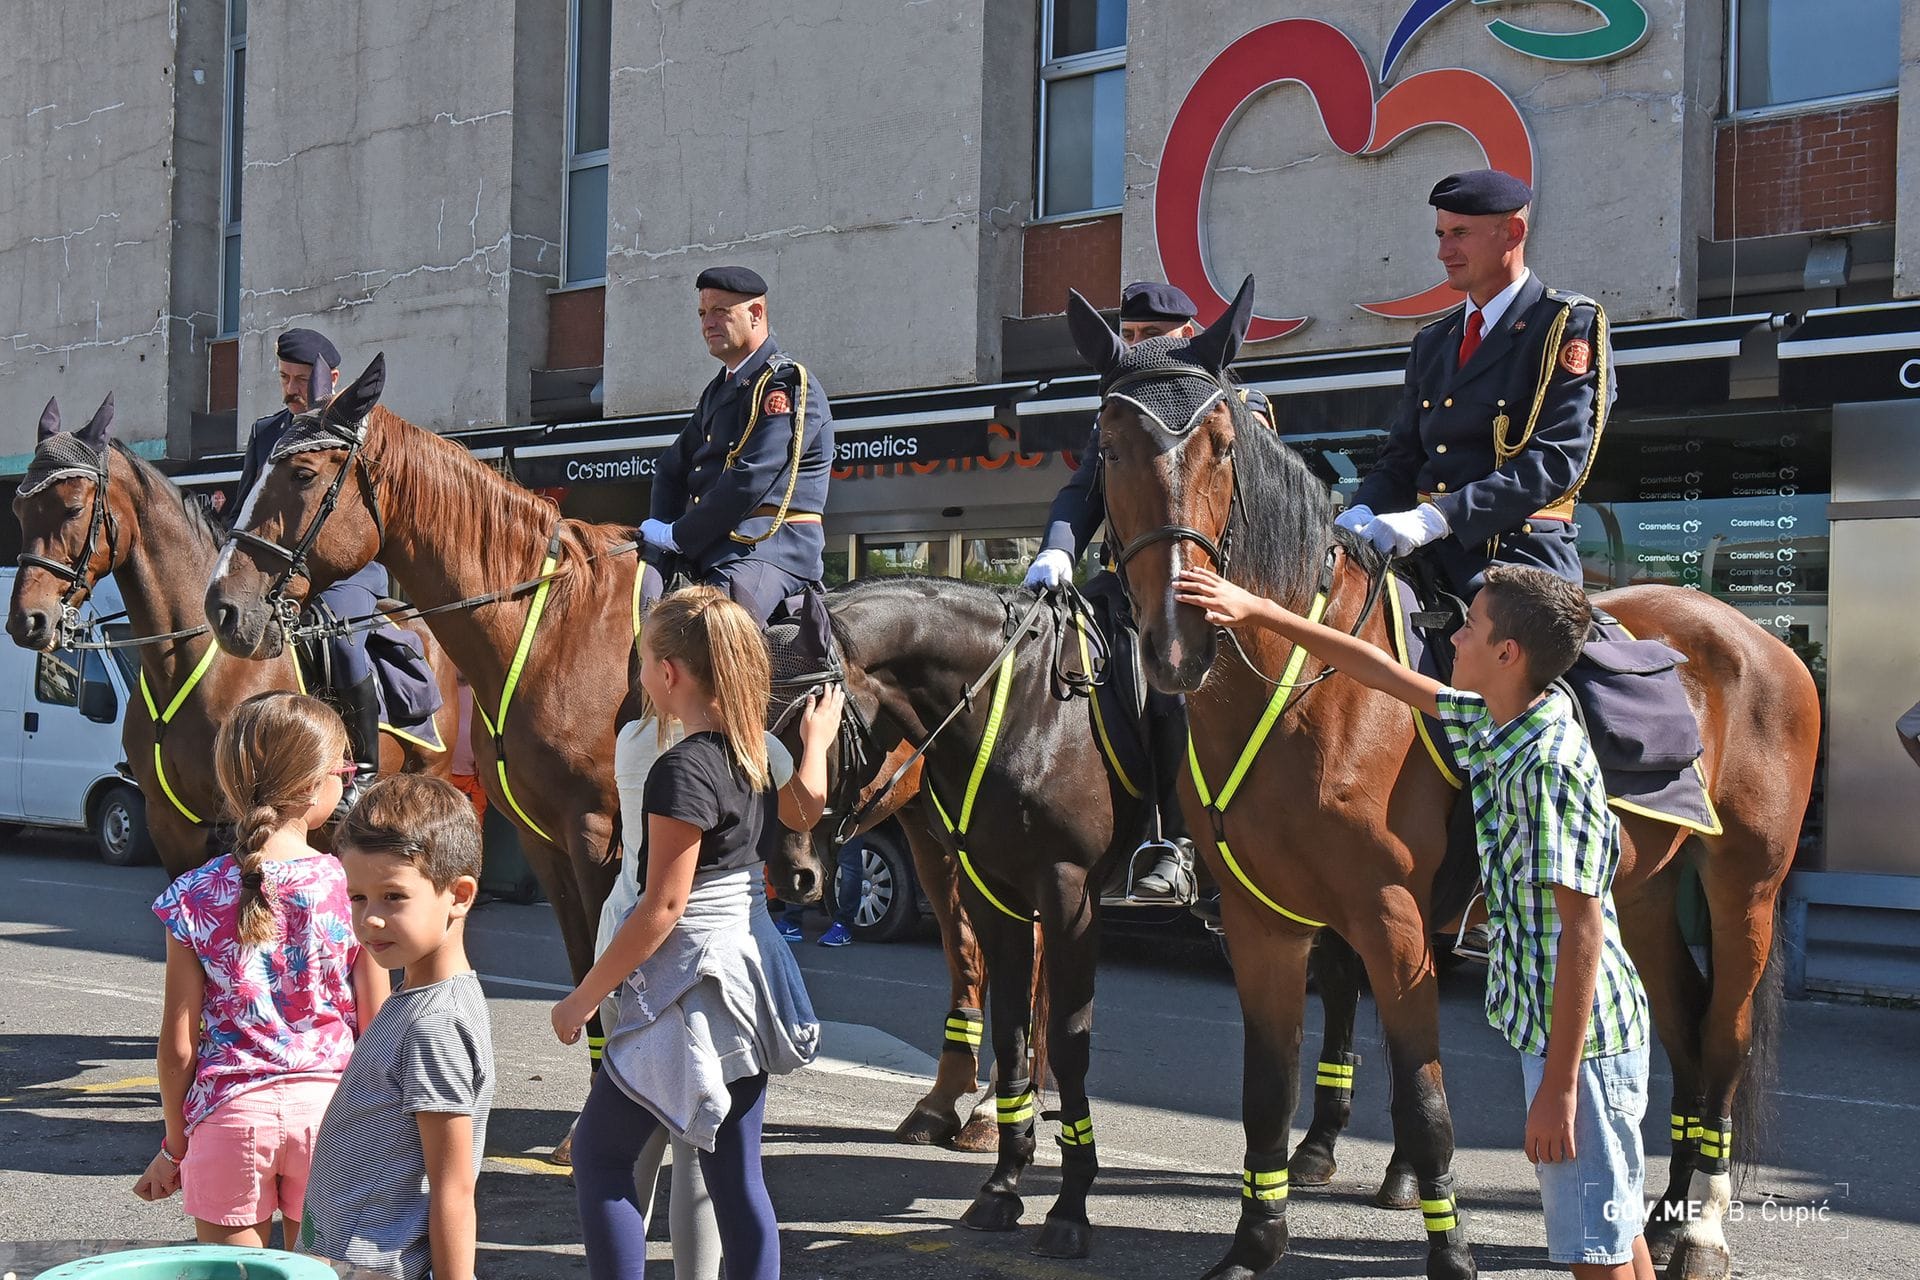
(1843, 354)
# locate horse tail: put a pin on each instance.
(1754, 1108)
(1042, 1010)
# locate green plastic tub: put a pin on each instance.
(195, 1262)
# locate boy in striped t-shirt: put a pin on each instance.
(1560, 987)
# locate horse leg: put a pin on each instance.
(1737, 1041)
(1336, 973)
(1677, 999)
(1072, 939)
(1407, 990)
(998, 1206)
(1270, 976)
(934, 1118)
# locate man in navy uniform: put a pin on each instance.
(303, 353)
(1148, 309)
(739, 495)
(1505, 403)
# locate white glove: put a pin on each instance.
(659, 533)
(1051, 568)
(1354, 519)
(1399, 533)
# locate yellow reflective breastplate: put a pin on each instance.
(498, 720)
(161, 719)
(958, 830)
(1282, 693)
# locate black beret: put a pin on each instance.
(1481, 191)
(1152, 300)
(732, 280)
(304, 346)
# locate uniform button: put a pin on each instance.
(1526, 528)
(1439, 448)
(1426, 404)
(1447, 403)
(1439, 488)
(696, 500)
(709, 438)
(1502, 403)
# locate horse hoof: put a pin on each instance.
(1451, 1262)
(1311, 1167)
(1063, 1238)
(1662, 1237)
(926, 1128)
(993, 1211)
(978, 1135)
(1398, 1190)
(1698, 1262)
(1258, 1244)
(562, 1154)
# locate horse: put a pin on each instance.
(546, 613)
(1015, 805)
(127, 519)
(1342, 770)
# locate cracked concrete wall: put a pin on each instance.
(1906, 245)
(194, 306)
(382, 197)
(1323, 231)
(85, 183)
(835, 147)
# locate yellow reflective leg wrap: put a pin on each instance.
(596, 1047)
(1016, 1109)
(965, 1029)
(1263, 1186)
(1678, 1129)
(1716, 1146)
(1076, 1133)
(1441, 1215)
(1335, 1075)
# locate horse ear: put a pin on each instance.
(94, 434)
(1219, 343)
(320, 383)
(357, 401)
(50, 418)
(1093, 337)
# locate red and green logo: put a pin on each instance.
(1360, 117)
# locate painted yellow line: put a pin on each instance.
(533, 1164)
(114, 1086)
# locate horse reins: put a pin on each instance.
(78, 575)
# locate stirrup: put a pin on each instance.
(1150, 855)
(1470, 942)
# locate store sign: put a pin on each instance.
(1362, 117)
(852, 447)
(628, 466)
(1853, 375)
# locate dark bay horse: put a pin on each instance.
(1015, 806)
(160, 546)
(1340, 818)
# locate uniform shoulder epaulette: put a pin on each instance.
(1572, 298)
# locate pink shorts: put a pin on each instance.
(250, 1157)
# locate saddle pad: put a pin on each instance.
(409, 695)
(1674, 792)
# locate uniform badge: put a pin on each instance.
(1576, 357)
(777, 403)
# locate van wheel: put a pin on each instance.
(120, 828)
(887, 908)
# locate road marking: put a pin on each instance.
(91, 888)
(528, 983)
(533, 1164)
(114, 1086)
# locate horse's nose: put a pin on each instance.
(806, 884)
(30, 627)
(224, 617)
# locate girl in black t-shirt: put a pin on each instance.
(710, 999)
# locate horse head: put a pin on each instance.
(305, 525)
(70, 521)
(1170, 422)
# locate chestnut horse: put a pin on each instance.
(160, 545)
(1341, 818)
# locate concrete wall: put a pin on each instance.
(198, 117)
(1323, 231)
(1906, 253)
(837, 154)
(401, 194)
(86, 233)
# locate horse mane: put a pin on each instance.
(152, 484)
(1284, 519)
(953, 592)
(448, 488)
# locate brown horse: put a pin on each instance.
(160, 545)
(1342, 819)
(547, 665)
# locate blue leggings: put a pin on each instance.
(612, 1130)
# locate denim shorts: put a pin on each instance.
(1595, 1202)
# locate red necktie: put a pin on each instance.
(1471, 342)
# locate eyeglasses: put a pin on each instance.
(345, 770)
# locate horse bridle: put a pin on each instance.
(353, 438)
(79, 575)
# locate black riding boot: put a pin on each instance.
(360, 708)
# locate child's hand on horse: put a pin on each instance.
(1225, 604)
(820, 718)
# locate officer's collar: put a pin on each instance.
(753, 363)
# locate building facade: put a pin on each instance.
(511, 199)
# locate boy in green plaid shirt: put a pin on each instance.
(1560, 987)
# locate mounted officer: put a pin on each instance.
(1505, 402)
(1148, 309)
(738, 497)
(303, 353)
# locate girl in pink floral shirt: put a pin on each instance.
(266, 986)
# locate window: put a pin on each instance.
(589, 77)
(232, 161)
(1790, 51)
(1083, 105)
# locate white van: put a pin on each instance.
(60, 749)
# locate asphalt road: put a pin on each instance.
(80, 975)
